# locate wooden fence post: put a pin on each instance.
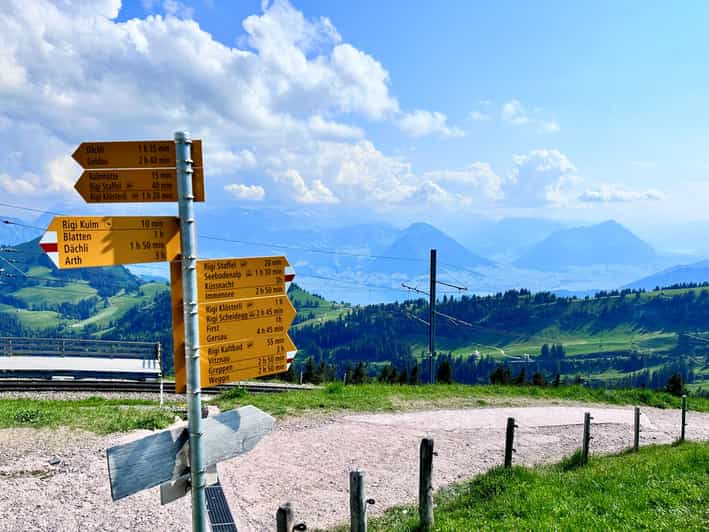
(509, 441)
(636, 437)
(284, 518)
(586, 436)
(684, 417)
(358, 502)
(426, 485)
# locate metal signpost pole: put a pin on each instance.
(183, 155)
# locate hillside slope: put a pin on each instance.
(697, 272)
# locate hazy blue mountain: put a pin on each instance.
(697, 272)
(604, 243)
(509, 238)
(415, 242)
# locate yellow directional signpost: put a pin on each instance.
(244, 318)
(132, 154)
(137, 185)
(237, 307)
(85, 241)
(134, 171)
(240, 278)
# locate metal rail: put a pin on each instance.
(86, 385)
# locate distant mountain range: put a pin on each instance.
(506, 239)
(366, 263)
(690, 273)
(410, 252)
(604, 243)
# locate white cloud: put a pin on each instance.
(475, 178)
(514, 113)
(246, 192)
(614, 193)
(421, 123)
(224, 160)
(271, 93)
(328, 129)
(316, 192)
(177, 9)
(540, 177)
(478, 116)
(27, 184)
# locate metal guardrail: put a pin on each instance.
(75, 347)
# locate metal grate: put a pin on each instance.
(218, 509)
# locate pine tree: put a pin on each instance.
(522, 377)
(545, 354)
(414, 377)
(675, 385)
(444, 375)
(538, 379)
(384, 375)
(309, 370)
(360, 375)
(404, 377)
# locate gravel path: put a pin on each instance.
(305, 461)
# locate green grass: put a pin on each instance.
(381, 397)
(659, 488)
(55, 295)
(321, 309)
(34, 319)
(95, 414)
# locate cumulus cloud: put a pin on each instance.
(326, 128)
(246, 192)
(540, 177)
(421, 123)
(316, 192)
(273, 90)
(224, 160)
(477, 179)
(614, 193)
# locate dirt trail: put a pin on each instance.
(306, 461)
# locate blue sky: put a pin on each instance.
(387, 110)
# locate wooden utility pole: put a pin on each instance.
(432, 315)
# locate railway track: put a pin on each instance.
(96, 385)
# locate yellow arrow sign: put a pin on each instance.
(236, 344)
(135, 186)
(226, 279)
(244, 359)
(230, 321)
(132, 154)
(239, 370)
(87, 241)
